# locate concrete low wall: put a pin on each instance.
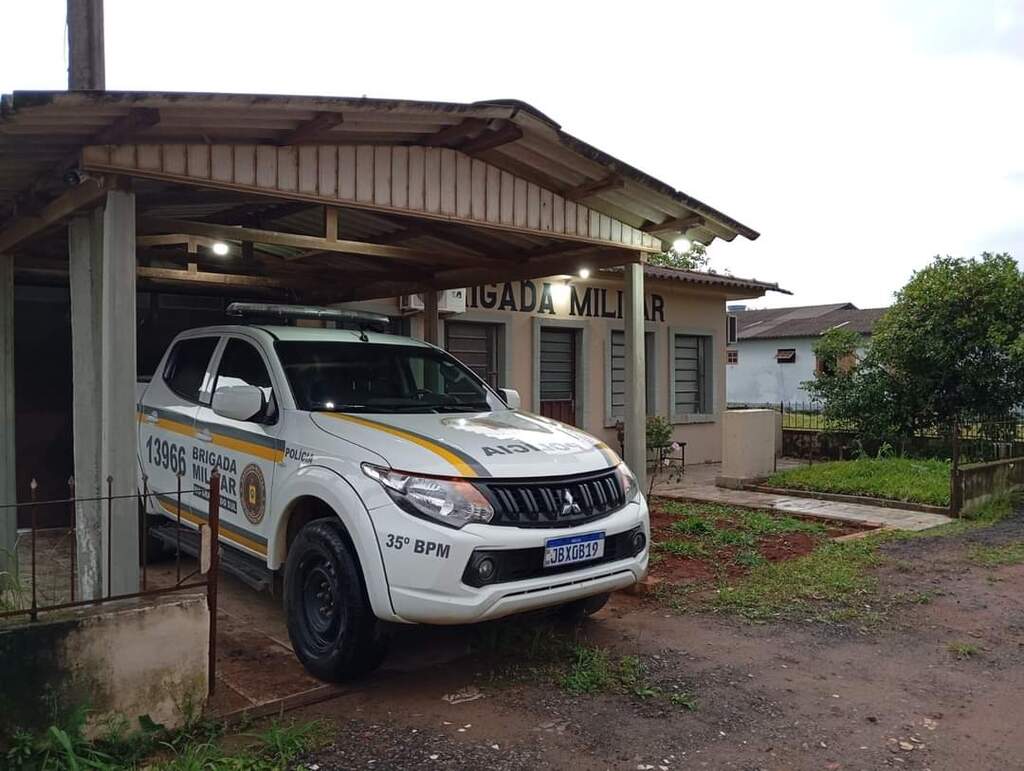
(121, 661)
(748, 446)
(981, 482)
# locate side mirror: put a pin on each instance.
(511, 397)
(238, 402)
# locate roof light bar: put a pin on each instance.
(360, 319)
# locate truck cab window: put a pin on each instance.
(186, 366)
(241, 364)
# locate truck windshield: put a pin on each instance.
(373, 377)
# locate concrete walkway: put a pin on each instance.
(698, 483)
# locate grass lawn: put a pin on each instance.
(900, 479)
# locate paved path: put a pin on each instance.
(698, 483)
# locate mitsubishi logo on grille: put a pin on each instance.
(569, 506)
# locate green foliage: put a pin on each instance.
(951, 344)
(693, 525)
(962, 651)
(679, 548)
(695, 258)
(834, 573)
(761, 523)
(659, 432)
(997, 556)
(900, 479)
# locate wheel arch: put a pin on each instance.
(317, 492)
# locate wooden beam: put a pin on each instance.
(563, 261)
(78, 197)
(313, 129)
(588, 189)
(86, 60)
(451, 135)
(510, 132)
(314, 243)
(219, 279)
(676, 223)
(124, 128)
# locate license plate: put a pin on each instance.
(573, 548)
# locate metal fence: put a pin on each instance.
(42, 574)
(972, 438)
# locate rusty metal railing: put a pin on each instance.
(54, 586)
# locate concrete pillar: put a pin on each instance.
(8, 487)
(117, 385)
(85, 243)
(636, 380)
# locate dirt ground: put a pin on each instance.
(785, 695)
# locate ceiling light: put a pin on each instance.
(220, 248)
(584, 273)
(681, 245)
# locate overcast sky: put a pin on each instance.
(859, 138)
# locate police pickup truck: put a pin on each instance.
(381, 481)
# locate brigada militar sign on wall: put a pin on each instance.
(556, 298)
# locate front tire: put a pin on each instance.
(330, 622)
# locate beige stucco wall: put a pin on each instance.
(686, 308)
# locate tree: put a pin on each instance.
(694, 258)
(952, 344)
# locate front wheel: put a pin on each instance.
(331, 625)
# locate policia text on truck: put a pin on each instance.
(385, 480)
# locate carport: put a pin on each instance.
(308, 199)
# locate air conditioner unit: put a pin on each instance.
(449, 301)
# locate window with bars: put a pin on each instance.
(692, 375)
(616, 379)
(732, 356)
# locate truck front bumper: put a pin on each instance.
(431, 569)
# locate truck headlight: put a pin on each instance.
(630, 486)
(452, 502)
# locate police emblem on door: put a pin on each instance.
(253, 492)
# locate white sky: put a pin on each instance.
(860, 139)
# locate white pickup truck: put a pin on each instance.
(383, 481)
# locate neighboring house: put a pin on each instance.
(774, 352)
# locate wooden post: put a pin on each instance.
(430, 316)
(8, 480)
(86, 67)
(636, 380)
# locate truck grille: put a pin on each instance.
(554, 502)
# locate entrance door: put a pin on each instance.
(476, 346)
(558, 374)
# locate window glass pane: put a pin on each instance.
(368, 377)
(690, 374)
(242, 364)
(618, 372)
(187, 365)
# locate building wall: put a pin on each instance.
(671, 307)
(757, 378)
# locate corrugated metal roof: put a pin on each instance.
(42, 131)
(806, 321)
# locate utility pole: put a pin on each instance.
(86, 68)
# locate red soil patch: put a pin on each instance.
(720, 560)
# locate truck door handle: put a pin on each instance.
(204, 436)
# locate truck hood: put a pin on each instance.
(507, 443)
